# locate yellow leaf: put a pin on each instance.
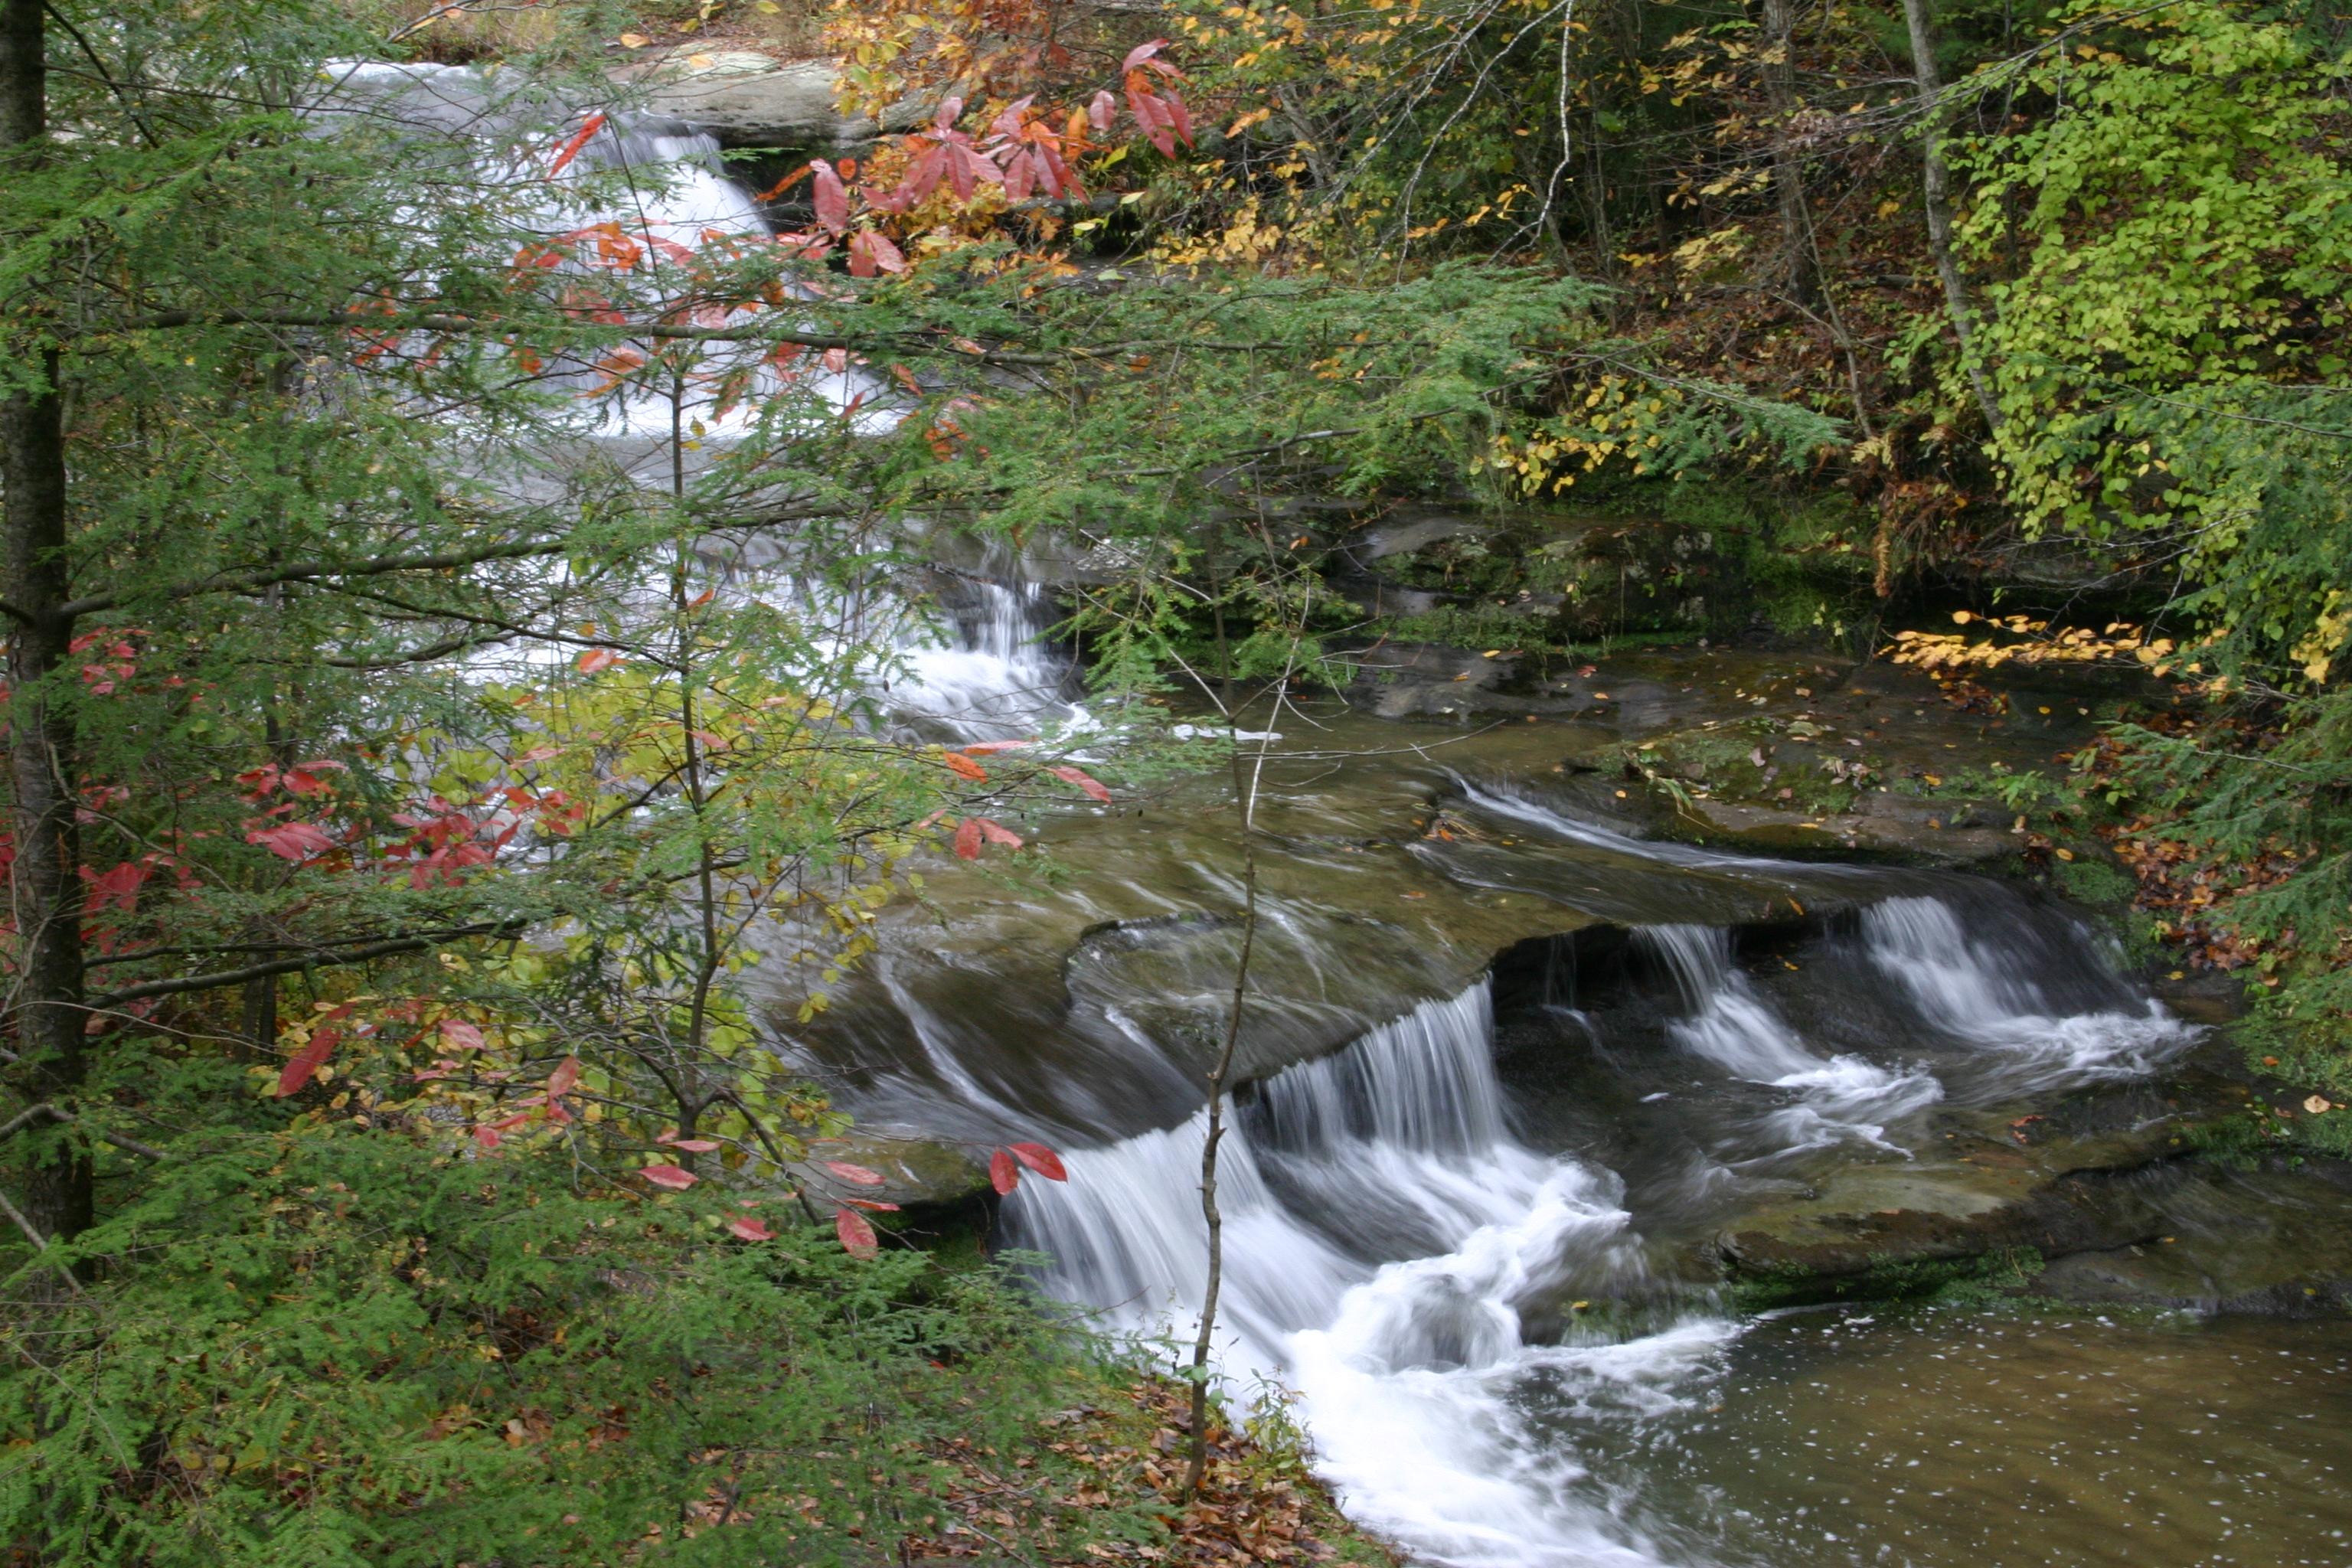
(633, 41)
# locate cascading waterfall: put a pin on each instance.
(986, 672)
(1381, 1230)
(1386, 1234)
(1966, 987)
(1731, 1025)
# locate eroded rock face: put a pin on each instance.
(744, 98)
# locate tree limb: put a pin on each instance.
(226, 977)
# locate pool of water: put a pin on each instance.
(1934, 1436)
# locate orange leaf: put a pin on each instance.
(596, 658)
(964, 767)
(566, 1074)
(571, 149)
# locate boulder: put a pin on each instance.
(744, 98)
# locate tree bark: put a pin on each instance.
(1788, 170)
(1934, 189)
(45, 882)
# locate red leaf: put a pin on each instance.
(595, 659)
(570, 150)
(968, 168)
(460, 1036)
(1102, 110)
(857, 1236)
(997, 833)
(981, 748)
(1041, 1160)
(1140, 56)
(751, 1229)
(566, 1074)
(1086, 782)
(1003, 1173)
(305, 1061)
(668, 1176)
(488, 1137)
(949, 111)
(870, 253)
(856, 1176)
(292, 840)
(118, 888)
(965, 766)
(831, 197)
(693, 1145)
(875, 1204)
(923, 175)
(967, 839)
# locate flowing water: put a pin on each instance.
(1459, 1242)
(1513, 1069)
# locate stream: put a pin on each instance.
(1583, 1183)
(1516, 1073)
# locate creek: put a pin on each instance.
(1586, 1188)
(1569, 1196)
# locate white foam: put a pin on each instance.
(1407, 1371)
(1967, 988)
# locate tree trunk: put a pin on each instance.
(1787, 170)
(1934, 189)
(45, 882)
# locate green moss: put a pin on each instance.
(1991, 1278)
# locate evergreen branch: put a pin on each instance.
(50, 1112)
(221, 979)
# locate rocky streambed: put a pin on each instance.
(1406, 859)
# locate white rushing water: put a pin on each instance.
(1383, 1230)
(1732, 1026)
(1387, 1237)
(1966, 986)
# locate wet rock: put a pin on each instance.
(1914, 835)
(744, 98)
(2276, 1243)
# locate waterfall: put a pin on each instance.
(1979, 988)
(991, 675)
(1731, 1025)
(1382, 1232)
